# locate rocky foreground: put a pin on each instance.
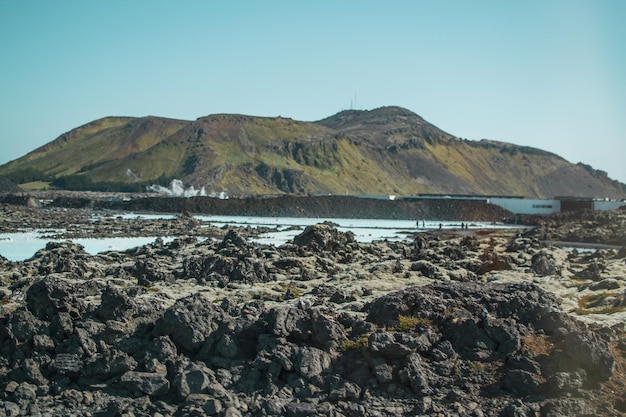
(469, 324)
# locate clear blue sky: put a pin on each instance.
(549, 74)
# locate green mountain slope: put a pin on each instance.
(389, 150)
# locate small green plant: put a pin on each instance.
(289, 291)
(408, 323)
(475, 365)
(351, 345)
(586, 305)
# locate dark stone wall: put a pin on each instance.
(322, 206)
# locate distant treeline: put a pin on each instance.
(29, 174)
(84, 183)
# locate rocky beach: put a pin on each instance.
(447, 323)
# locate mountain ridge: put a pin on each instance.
(386, 151)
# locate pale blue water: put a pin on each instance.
(365, 230)
(21, 246)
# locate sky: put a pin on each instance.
(549, 74)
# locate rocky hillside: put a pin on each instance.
(389, 150)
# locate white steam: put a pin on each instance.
(177, 189)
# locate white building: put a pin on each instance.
(526, 206)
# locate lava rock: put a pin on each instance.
(323, 237)
(145, 383)
(543, 265)
(190, 321)
(52, 295)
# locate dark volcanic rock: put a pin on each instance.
(590, 226)
(145, 383)
(307, 328)
(593, 271)
(148, 272)
(52, 295)
(115, 305)
(64, 257)
(190, 321)
(589, 351)
(449, 341)
(543, 265)
(324, 237)
(525, 303)
(66, 364)
(233, 260)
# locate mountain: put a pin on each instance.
(389, 150)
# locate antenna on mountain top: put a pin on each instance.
(353, 103)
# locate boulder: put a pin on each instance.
(334, 294)
(289, 322)
(189, 322)
(504, 333)
(345, 391)
(562, 383)
(426, 268)
(65, 257)
(470, 339)
(521, 382)
(30, 371)
(224, 269)
(381, 370)
(312, 362)
(145, 383)
(523, 302)
(163, 350)
(593, 271)
(390, 345)
(300, 409)
(53, 295)
(196, 378)
(605, 284)
(326, 333)
(149, 271)
(110, 364)
(115, 305)
(589, 351)
(66, 364)
(19, 327)
(323, 237)
(543, 264)
(415, 375)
